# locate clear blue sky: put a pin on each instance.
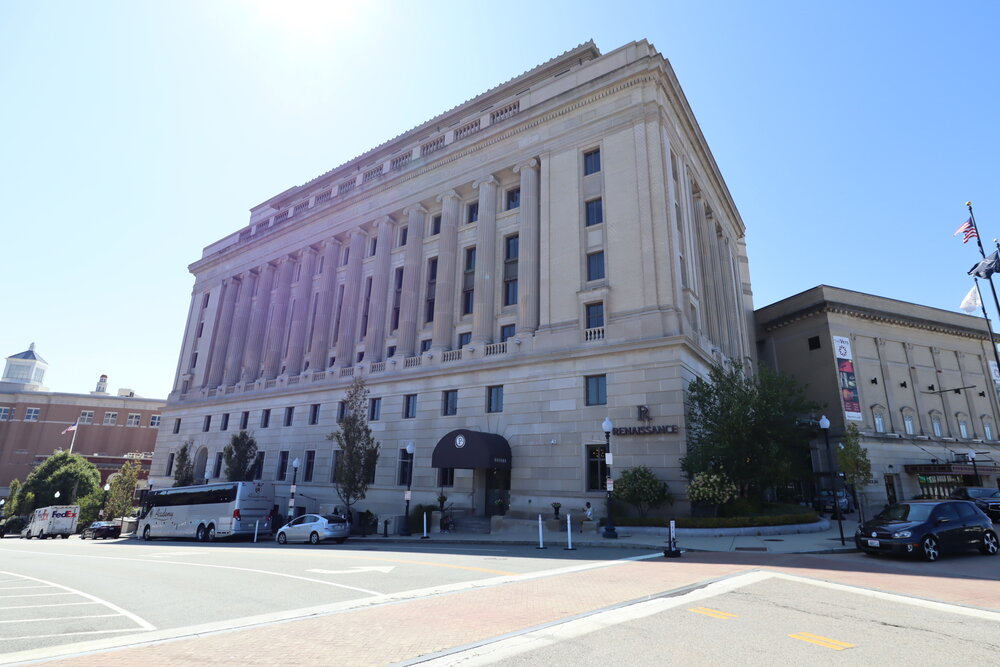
(136, 133)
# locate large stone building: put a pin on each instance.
(34, 421)
(555, 251)
(919, 382)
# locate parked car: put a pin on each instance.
(928, 528)
(102, 530)
(985, 498)
(314, 528)
(824, 501)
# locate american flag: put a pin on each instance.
(70, 428)
(969, 229)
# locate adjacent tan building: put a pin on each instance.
(555, 251)
(920, 383)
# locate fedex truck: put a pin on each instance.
(51, 521)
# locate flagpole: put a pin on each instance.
(996, 302)
(73, 441)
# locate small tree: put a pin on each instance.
(70, 474)
(10, 507)
(184, 466)
(120, 497)
(640, 488)
(240, 456)
(359, 449)
(853, 461)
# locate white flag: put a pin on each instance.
(971, 301)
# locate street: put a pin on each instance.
(367, 602)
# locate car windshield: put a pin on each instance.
(983, 493)
(906, 512)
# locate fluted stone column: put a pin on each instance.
(220, 334)
(279, 315)
(444, 303)
(258, 321)
(375, 338)
(300, 310)
(238, 335)
(406, 340)
(483, 317)
(324, 309)
(347, 337)
(528, 259)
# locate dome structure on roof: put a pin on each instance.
(25, 369)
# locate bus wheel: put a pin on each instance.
(200, 534)
(210, 536)
(145, 534)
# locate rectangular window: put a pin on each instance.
(154, 421)
(258, 466)
(494, 398)
(374, 409)
(314, 414)
(31, 415)
(87, 417)
(405, 472)
(365, 306)
(425, 345)
(464, 338)
(337, 454)
(110, 418)
(472, 213)
(390, 352)
(289, 415)
(511, 250)
(206, 423)
(595, 315)
(963, 429)
(224, 424)
(373, 248)
(347, 256)
(936, 425)
(397, 296)
(908, 424)
(133, 419)
(402, 236)
(592, 162)
(307, 473)
(432, 270)
(170, 465)
(341, 411)
(449, 402)
(265, 418)
(177, 425)
(244, 420)
(513, 199)
(595, 212)
(282, 466)
(469, 281)
(506, 331)
(595, 266)
(597, 468)
(597, 390)
(4, 414)
(201, 329)
(217, 471)
(446, 477)
(194, 360)
(435, 225)
(409, 406)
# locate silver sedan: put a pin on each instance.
(314, 528)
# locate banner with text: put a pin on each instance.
(848, 383)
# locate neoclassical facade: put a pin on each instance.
(555, 251)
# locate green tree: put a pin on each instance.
(640, 488)
(240, 456)
(745, 425)
(120, 497)
(10, 507)
(70, 474)
(853, 459)
(359, 449)
(184, 466)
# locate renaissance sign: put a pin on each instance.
(645, 430)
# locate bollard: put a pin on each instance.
(255, 531)
(385, 528)
(569, 534)
(672, 551)
(425, 535)
(541, 540)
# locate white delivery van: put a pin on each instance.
(51, 521)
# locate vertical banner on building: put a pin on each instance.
(848, 383)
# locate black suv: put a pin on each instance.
(985, 498)
(928, 528)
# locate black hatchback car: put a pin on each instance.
(928, 528)
(985, 498)
(101, 530)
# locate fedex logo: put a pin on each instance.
(63, 515)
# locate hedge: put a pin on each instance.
(725, 522)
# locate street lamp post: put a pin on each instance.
(609, 526)
(104, 503)
(975, 471)
(404, 529)
(824, 424)
(291, 494)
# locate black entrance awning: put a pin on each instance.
(471, 449)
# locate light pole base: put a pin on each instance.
(610, 533)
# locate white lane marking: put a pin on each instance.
(39, 606)
(66, 634)
(167, 554)
(57, 618)
(33, 595)
(356, 570)
(17, 588)
(145, 625)
(220, 567)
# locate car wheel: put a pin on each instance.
(314, 538)
(930, 548)
(990, 545)
(282, 538)
(210, 536)
(145, 534)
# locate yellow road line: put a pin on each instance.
(714, 613)
(835, 644)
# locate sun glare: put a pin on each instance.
(309, 19)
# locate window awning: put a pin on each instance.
(462, 448)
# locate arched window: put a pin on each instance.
(936, 424)
(987, 428)
(963, 425)
(878, 416)
(908, 421)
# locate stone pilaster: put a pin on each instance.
(258, 321)
(238, 335)
(327, 291)
(444, 303)
(347, 337)
(416, 217)
(300, 310)
(278, 320)
(484, 314)
(220, 333)
(528, 260)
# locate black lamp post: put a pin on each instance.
(609, 527)
(104, 503)
(975, 471)
(291, 494)
(404, 529)
(824, 424)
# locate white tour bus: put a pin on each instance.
(207, 511)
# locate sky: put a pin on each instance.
(134, 134)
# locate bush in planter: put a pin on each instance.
(709, 488)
